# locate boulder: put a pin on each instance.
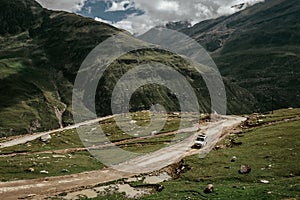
(46, 138)
(160, 188)
(265, 181)
(209, 189)
(245, 169)
(233, 159)
(30, 169)
(44, 172)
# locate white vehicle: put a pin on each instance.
(200, 141)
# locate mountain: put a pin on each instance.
(41, 52)
(258, 49)
(36, 49)
(178, 25)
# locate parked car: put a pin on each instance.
(200, 141)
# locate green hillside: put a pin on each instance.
(258, 49)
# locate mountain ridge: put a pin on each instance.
(258, 49)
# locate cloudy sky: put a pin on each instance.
(138, 16)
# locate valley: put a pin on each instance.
(68, 132)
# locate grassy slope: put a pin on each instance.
(14, 167)
(276, 145)
(258, 49)
(26, 93)
(31, 85)
(272, 151)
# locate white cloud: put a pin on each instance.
(65, 5)
(168, 6)
(157, 12)
(137, 24)
(119, 6)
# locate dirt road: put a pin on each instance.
(27, 138)
(166, 156)
(40, 188)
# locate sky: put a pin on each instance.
(138, 16)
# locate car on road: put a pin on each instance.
(200, 141)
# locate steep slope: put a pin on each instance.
(258, 48)
(35, 90)
(40, 57)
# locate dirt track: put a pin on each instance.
(41, 188)
(27, 138)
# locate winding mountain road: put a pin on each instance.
(42, 188)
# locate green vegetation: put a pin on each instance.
(271, 151)
(59, 141)
(275, 116)
(38, 155)
(257, 49)
(18, 167)
(70, 139)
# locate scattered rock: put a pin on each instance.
(133, 179)
(160, 188)
(42, 158)
(58, 156)
(46, 138)
(65, 170)
(30, 169)
(133, 122)
(44, 172)
(102, 189)
(245, 169)
(153, 133)
(209, 189)
(233, 159)
(264, 181)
